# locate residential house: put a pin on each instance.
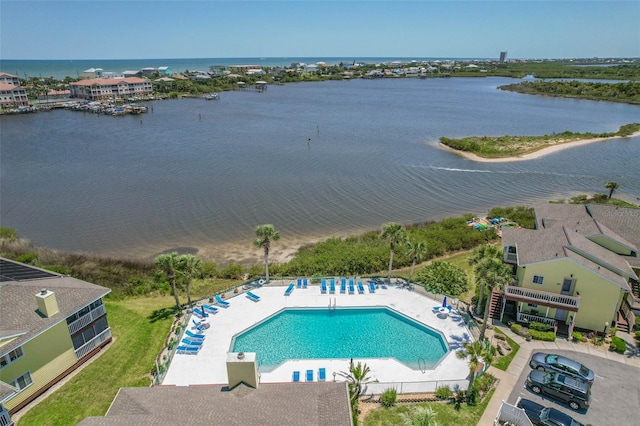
(165, 71)
(109, 88)
(50, 324)
(92, 73)
(574, 270)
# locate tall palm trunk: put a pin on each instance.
(390, 263)
(266, 262)
(172, 280)
(486, 315)
(188, 285)
(480, 297)
(413, 265)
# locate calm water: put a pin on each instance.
(341, 334)
(314, 159)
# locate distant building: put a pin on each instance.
(92, 73)
(503, 56)
(9, 79)
(165, 71)
(12, 96)
(108, 88)
(51, 325)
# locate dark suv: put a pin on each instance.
(571, 391)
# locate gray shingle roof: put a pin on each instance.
(319, 403)
(560, 242)
(624, 221)
(19, 314)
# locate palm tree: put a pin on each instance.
(494, 274)
(476, 352)
(357, 376)
(481, 253)
(612, 186)
(266, 234)
(417, 250)
(168, 263)
(394, 233)
(420, 416)
(189, 266)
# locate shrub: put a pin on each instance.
(444, 392)
(618, 344)
(516, 328)
(484, 383)
(638, 335)
(578, 337)
(389, 397)
(547, 336)
(27, 258)
(539, 326)
(443, 277)
(8, 233)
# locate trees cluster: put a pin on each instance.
(627, 92)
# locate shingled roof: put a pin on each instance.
(19, 315)
(318, 403)
(624, 221)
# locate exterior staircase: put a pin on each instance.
(622, 324)
(495, 305)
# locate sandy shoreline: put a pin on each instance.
(533, 155)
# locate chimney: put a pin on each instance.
(47, 303)
(242, 368)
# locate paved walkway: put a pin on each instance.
(509, 378)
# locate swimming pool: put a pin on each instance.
(341, 333)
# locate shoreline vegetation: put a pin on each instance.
(520, 148)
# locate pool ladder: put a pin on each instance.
(332, 306)
(422, 365)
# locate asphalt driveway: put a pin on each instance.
(615, 394)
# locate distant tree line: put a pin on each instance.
(628, 92)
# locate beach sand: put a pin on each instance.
(536, 154)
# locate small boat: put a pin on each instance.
(212, 97)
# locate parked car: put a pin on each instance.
(546, 416)
(570, 390)
(561, 364)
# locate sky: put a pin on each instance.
(142, 29)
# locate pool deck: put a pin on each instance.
(209, 365)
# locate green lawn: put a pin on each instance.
(139, 330)
(502, 363)
(447, 413)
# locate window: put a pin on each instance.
(22, 381)
(10, 357)
(538, 279)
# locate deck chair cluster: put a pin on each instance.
(351, 285)
(322, 375)
(191, 342)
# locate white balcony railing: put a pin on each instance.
(522, 317)
(93, 343)
(86, 319)
(554, 300)
(5, 418)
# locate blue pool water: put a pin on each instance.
(341, 333)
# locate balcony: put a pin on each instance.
(86, 319)
(543, 298)
(527, 318)
(93, 343)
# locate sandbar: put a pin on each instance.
(535, 154)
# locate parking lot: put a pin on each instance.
(615, 394)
